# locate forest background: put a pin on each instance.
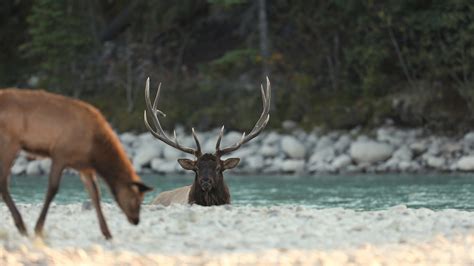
(333, 64)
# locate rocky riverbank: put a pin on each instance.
(386, 149)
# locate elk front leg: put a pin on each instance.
(7, 156)
(92, 186)
(53, 187)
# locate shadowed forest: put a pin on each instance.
(334, 64)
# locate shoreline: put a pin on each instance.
(383, 150)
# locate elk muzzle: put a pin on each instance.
(206, 184)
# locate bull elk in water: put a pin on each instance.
(209, 187)
(73, 134)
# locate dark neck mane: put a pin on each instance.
(217, 196)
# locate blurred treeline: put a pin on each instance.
(333, 63)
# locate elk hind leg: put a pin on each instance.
(92, 186)
(8, 152)
(53, 187)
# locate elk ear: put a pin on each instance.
(187, 164)
(142, 187)
(231, 163)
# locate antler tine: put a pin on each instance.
(259, 126)
(221, 134)
(159, 132)
(198, 151)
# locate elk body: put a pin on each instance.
(73, 134)
(209, 187)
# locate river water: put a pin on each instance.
(358, 192)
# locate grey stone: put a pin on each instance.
(370, 151)
(465, 163)
(33, 168)
(293, 147)
(341, 161)
(293, 166)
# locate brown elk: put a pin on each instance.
(73, 134)
(209, 187)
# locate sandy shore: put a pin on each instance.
(231, 235)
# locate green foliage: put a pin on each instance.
(334, 63)
(58, 42)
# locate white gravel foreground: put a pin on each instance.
(242, 235)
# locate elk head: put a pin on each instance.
(209, 187)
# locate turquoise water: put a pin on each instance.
(360, 192)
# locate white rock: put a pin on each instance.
(274, 166)
(403, 154)
(469, 139)
(293, 166)
(231, 138)
(45, 165)
(293, 147)
(170, 153)
(419, 147)
(19, 167)
(434, 162)
(466, 163)
(324, 142)
(342, 144)
(128, 138)
(33, 168)
(271, 138)
(145, 153)
(370, 151)
(322, 156)
(254, 163)
(341, 161)
(269, 150)
(166, 167)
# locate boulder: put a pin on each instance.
(434, 161)
(466, 163)
(254, 163)
(33, 168)
(145, 153)
(342, 161)
(293, 166)
(45, 165)
(324, 142)
(269, 150)
(419, 147)
(342, 144)
(370, 151)
(166, 167)
(170, 153)
(19, 167)
(403, 154)
(469, 139)
(322, 156)
(271, 138)
(127, 138)
(293, 148)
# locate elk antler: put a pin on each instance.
(259, 126)
(159, 133)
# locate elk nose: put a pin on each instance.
(206, 184)
(134, 220)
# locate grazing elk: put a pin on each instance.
(73, 134)
(209, 187)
